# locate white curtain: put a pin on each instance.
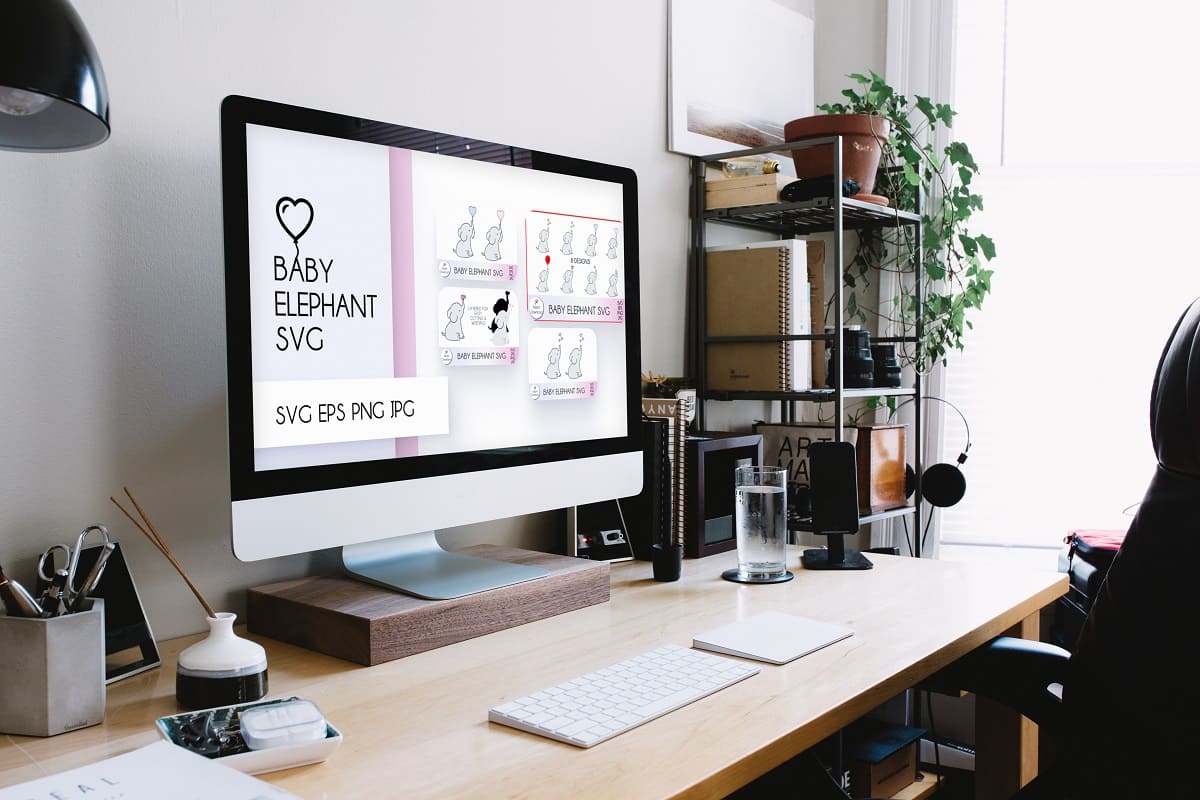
(1081, 117)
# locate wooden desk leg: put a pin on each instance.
(1006, 743)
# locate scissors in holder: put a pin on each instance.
(61, 581)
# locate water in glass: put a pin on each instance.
(761, 527)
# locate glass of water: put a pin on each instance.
(760, 522)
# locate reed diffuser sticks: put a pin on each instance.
(156, 539)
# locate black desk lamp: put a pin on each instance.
(52, 91)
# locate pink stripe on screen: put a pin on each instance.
(404, 332)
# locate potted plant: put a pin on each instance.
(910, 166)
(862, 136)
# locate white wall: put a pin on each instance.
(112, 365)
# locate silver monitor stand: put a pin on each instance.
(416, 564)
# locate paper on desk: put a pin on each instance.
(153, 772)
(773, 636)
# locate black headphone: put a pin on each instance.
(942, 485)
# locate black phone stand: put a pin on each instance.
(835, 557)
(834, 497)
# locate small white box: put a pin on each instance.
(282, 724)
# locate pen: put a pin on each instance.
(18, 602)
(93, 576)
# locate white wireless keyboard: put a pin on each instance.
(599, 705)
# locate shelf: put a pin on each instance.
(810, 216)
(920, 789)
(802, 337)
(775, 337)
(834, 214)
(810, 395)
(805, 523)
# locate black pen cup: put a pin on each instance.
(668, 562)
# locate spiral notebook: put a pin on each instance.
(758, 289)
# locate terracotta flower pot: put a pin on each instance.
(861, 137)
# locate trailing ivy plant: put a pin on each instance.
(955, 278)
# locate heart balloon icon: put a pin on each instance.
(500, 215)
(295, 216)
(471, 210)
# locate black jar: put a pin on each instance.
(887, 366)
(859, 367)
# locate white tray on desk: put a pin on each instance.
(256, 762)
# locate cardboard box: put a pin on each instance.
(887, 777)
(747, 190)
(882, 756)
(879, 450)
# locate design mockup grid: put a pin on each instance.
(405, 303)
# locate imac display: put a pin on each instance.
(423, 331)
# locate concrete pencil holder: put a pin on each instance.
(53, 672)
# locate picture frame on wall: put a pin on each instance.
(734, 80)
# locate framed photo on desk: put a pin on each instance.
(711, 460)
(129, 646)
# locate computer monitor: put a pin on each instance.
(423, 331)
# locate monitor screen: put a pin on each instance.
(450, 321)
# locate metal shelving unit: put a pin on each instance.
(834, 215)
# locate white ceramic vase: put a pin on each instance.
(221, 669)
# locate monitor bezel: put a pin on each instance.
(247, 483)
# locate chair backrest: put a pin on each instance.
(1132, 702)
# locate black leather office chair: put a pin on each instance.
(1129, 721)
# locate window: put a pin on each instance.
(1081, 117)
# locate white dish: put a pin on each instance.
(255, 762)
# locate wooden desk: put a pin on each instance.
(417, 727)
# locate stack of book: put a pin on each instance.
(676, 412)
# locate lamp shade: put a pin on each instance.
(52, 91)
